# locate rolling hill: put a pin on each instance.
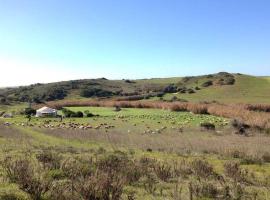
(246, 89)
(221, 87)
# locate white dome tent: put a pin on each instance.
(46, 112)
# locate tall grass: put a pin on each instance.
(258, 107)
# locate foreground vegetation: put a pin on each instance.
(42, 166)
(131, 154)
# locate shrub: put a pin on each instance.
(182, 169)
(117, 108)
(170, 89)
(95, 92)
(229, 81)
(207, 84)
(258, 107)
(90, 115)
(208, 126)
(29, 111)
(184, 90)
(115, 162)
(100, 185)
(190, 91)
(129, 81)
(49, 159)
(100, 179)
(240, 126)
(79, 114)
(2, 113)
(28, 176)
(150, 183)
(55, 93)
(160, 94)
(232, 169)
(203, 189)
(62, 190)
(201, 168)
(66, 112)
(73, 168)
(163, 171)
(133, 173)
(3, 100)
(174, 98)
(187, 78)
(69, 113)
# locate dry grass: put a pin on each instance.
(238, 111)
(259, 107)
(191, 140)
(10, 133)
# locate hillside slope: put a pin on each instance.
(222, 87)
(246, 89)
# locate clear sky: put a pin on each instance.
(51, 40)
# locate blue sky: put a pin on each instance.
(48, 40)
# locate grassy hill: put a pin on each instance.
(246, 89)
(222, 87)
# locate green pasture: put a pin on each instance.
(154, 116)
(130, 119)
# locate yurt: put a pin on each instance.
(46, 112)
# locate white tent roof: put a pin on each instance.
(46, 110)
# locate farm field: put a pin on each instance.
(149, 154)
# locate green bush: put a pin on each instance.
(66, 112)
(207, 84)
(79, 114)
(69, 113)
(28, 176)
(170, 89)
(90, 115)
(29, 111)
(95, 92)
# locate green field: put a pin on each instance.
(131, 120)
